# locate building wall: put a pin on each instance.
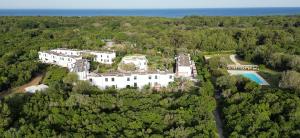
(184, 71)
(82, 75)
(140, 64)
(67, 52)
(104, 58)
(134, 80)
(62, 61)
(101, 57)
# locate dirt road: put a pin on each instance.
(21, 89)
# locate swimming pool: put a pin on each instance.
(250, 75)
(254, 77)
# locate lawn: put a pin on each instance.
(226, 57)
(271, 76)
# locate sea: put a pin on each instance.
(171, 13)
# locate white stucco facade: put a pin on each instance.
(185, 67)
(72, 59)
(120, 81)
(58, 59)
(184, 71)
(140, 61)
(103, 57)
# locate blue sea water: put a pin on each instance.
(153, 12)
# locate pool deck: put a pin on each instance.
(240, 72)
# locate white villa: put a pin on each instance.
(185, 67)
(100, 56)
(72, 59)
(140, 62)
(138, 80)
(59, 59)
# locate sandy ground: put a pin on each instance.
(21, 89)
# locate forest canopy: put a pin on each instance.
(82, 110)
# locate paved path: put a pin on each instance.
(219, 124)
(234, 60)
(218, 118)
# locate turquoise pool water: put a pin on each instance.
(254, 77)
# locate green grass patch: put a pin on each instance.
(271, 76)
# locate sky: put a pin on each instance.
(142, 4)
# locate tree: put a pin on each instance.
(290, 80)
(83, 87)
(5, 116)
(226, 82)
(71, 78)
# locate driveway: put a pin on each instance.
(234, 59)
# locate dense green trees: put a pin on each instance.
(82, 110)
(290, 80)
(271, 113)
(250, 111)
(87, 111)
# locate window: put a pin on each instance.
(135, 77)
(107, 56)
(91, 80)
(171, 77)
(127, 86)
(128, 79)
(101, 55)
(155, 76)
(106, 79)
(135, 84)
(149, 77)
(112, 79)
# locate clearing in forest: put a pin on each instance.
(21, 89)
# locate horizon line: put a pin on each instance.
(138, 8)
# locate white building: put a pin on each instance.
(72, 59)
(138, 80)
(81, 68)
(69, 52)
(140, 62)
(185, 67)
(35, 88)
(59, 59)
(103, 57)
